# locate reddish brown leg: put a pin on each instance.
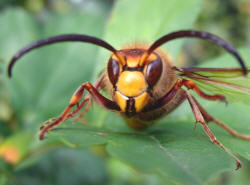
(101, 100)
(191, 85)
(98, 85)
(70, 115)
(77, 109)
(169, 96)
(209, 118)
(87, 108)
(199, 118)
(87, 99)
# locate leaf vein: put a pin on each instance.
(183, 167)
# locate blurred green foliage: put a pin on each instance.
(229, 19)
(31, 97)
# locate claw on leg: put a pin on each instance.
(46, 123)
(55, 121)
(46, 126)
(75, 99)
(199, 117)
(49, 125)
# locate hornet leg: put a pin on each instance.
(199, 118)
(75, 99)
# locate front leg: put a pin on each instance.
(75, 99)
(99, 84)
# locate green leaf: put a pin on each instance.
(15, 147)
(65, 166)
(173, 150)
(10, 43)
(43, 78)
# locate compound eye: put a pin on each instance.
(153, 71)
(113, 70)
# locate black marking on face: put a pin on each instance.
(130, 107)
(126, 68)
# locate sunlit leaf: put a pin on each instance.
(15, 147)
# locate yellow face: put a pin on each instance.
(132, 81)
(131, 92)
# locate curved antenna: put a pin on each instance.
(56, 39)
(202, 35)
